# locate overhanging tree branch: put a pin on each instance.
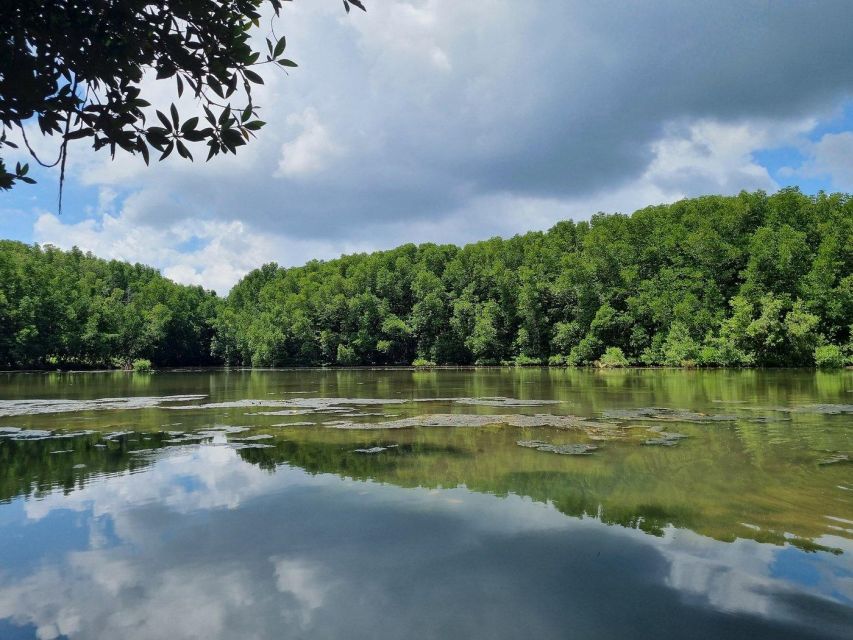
(49, 48)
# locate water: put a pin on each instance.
(437, 504)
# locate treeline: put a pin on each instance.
(712, 281)
(67, 308)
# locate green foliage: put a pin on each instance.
(585, 352)
(680, 284)
(142, 365)
(527, 361)
(77, 69)
(484, 341)
(713, 281)
(613, 358)
(422, 363)
(557, 360)
(679, 348)
(566, 335)
(829, 356)
(346, 355)
(67, 308)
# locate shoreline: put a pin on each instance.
(404, 367)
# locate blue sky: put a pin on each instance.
(458, 120)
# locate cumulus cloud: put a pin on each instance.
(301, 581)
(406, 122)
(308, 152)
(831, 156)
(210, 253)
(744, 576)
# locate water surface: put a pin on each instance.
(491, 503)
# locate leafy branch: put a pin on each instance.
(75, 69)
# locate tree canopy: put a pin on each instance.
(67, 308)
(75, 67)
(718, 281)
(713, 281)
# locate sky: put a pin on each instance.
(453, 121)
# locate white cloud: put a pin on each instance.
(708, 156)
(741, 576)
(300, 580)
(312, 148)
(830, 156)
(226, 250)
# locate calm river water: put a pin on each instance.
(491, 503)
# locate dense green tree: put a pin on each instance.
(715, 281)
(66, 308)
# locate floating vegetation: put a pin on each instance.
(826, 409)
(233, 404)
(29, 434)
(376, 449)
(118, 434)
(666, 414)
(665, 439)
(363, 414)
(503, 402)
(562, 449)
(250, 445)
(768, 419)
(475, 420)
(35, 407)
(219, 430)
(282, 412)
(189, 437)
(820, 409)
(310, 404)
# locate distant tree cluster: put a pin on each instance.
(712, 281)
(750, 280)
(62, 308)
